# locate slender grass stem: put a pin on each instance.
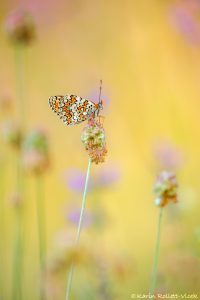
(18, 237)
(70, 276)
(20, 83)
(2, 228)
(18, 222)
(17, 272)
(156, 255)
(41, 228)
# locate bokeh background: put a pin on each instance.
(148, 55)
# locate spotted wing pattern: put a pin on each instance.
(72, 109)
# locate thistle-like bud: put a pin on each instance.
(12, 134)
(166, 188)
(93, 138)
(36, 152)
(20, 27)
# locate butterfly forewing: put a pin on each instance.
(72, 109)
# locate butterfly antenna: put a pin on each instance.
(100, 89)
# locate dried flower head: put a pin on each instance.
(36, 152)
(166, 188)
(20, 27)
(12, 134)
(93, 138)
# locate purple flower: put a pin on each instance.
(168, 156)
(184, 18)
(95, 217)
(94, 96)
(75, 180)
(73, 217)
(108, 176)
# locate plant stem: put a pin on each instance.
(18, 238)
(156, 255)
(2, 226)
(41, 228)
(69, 282)
(20, 83)
(18, 226)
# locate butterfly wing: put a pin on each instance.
(72, 109)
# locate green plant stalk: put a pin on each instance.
(41, 228)
(17, 272)
(70, 277)
(2, 227)
(156, 255)
(18, 222)
(18, 237)
(20, 83)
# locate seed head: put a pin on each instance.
(20, 27)
(165, 188)
(12, 134)
(93, 138)
(36, 152)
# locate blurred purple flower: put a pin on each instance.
(95, 217)
(183, 17)
(94, 96)
(73, 216)
(108, 176)
(75, 179)
(168, 156)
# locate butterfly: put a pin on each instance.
(73, 110)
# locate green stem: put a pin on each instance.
(18, 236)
(69, 282)
(156, 256)
(17, 272)
(18, 226)
(41, 228)
(2, 224)
(20, 83)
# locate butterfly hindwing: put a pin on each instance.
(72, 109)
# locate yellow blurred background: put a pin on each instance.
(148, 57)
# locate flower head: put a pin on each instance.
(93, 138)
(12, 134)
(35, 152)
(20, 27)
(165, 188)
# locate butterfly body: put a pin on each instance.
(74, 109)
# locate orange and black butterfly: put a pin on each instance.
(73, 109)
